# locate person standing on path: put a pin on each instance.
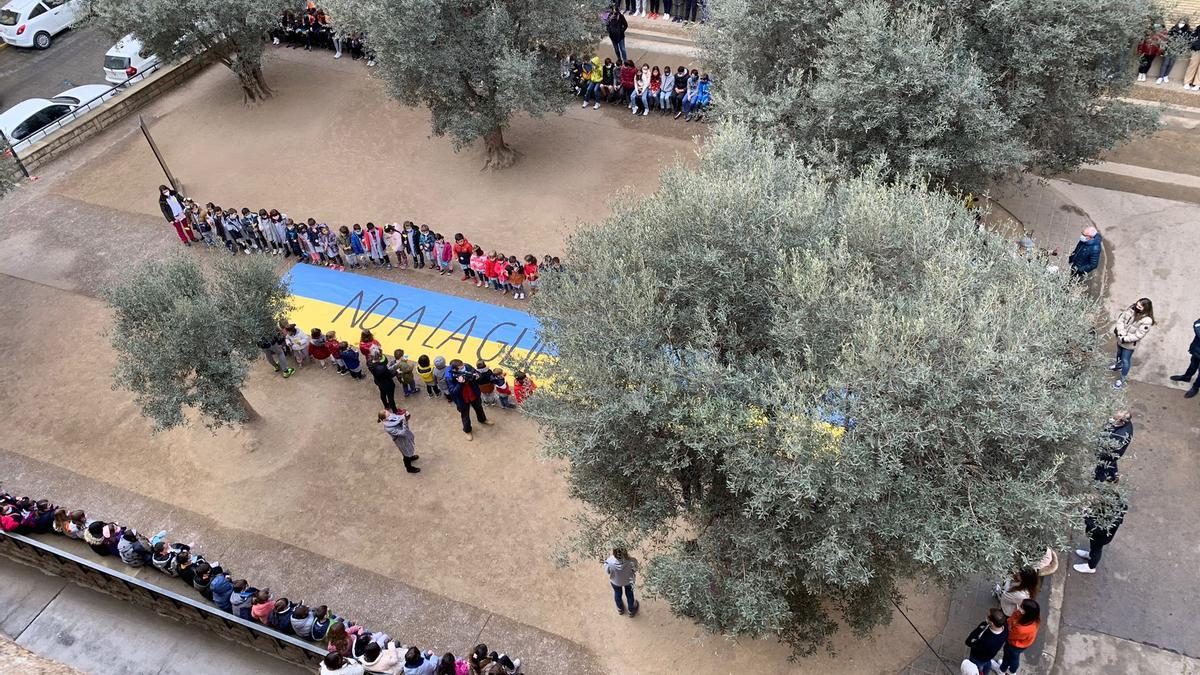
(616, 32)
(1194, 365)
(273, 349)
(396, 425)
(1099, 536)
(462, 387)
(1022, 631)
(622, 568)
(988, 638)
(1086, 256)
(1115, 440)
(385, 378)
(1132, 325)
(171, 205)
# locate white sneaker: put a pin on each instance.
(1158, 81)
(1167, 80)
(371, 63)
(516, 666)
(666, 16)
(275, 41)
(1141, 77)
(516, 296)
(337, 56)
(645, 112)
(633, 110)
(597, 105)
(1118, 384)
(584, 105)
(1083, 569)
(1083, 553)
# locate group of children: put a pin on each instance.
(312, 28)
(269, 232)
(680, 91)
(325, 348)
(352, 649)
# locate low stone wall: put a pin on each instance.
(82, 572)
(112, 111)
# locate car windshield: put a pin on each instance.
(9, 17)
(116, 62)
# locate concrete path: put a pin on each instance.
(99, 634)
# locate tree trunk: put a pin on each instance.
(497, 154)
(254, 87)
(251, 413)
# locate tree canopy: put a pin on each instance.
(964, 91)
(474, 64)
(798, 391)
(184, 340)
(233, 32)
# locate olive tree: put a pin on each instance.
(798, 392)
(965, 91)
(185, 339)
(475, 64)
(234, 32)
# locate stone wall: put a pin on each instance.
(111, 112)
(80, 572)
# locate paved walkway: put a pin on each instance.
(96, 633)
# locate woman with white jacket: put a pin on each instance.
(1132, 325)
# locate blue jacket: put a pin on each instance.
(455, 389)
(1195, 348)
(1086, 256)
(356, 243)
(350, 358)
(702, 93)
(221, 588)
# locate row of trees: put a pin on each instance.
(877, 393)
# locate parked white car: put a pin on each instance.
(126, 59)
(34, 119)
(34, 23)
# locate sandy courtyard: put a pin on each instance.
(479, 525)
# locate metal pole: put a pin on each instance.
(158, 155)
(13, 151)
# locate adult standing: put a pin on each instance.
(1100, 531)
(622, 569)
(988, 638)
(462, 386)
(1086, 256)
(1132, 325)
(616, 32)
(1024, 584)
(1022, 631)
(396, 425)
(1118, 433)
(1191, 77)
(272, 347)
(385, 378)
(171, 205)
(1194, 365)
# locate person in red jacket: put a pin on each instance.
(463, 250)
(523, 386)
(628, 71)
(367, 342)
(531, 273)
(1022, 631)
(1149, 48)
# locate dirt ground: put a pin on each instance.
(316, 471)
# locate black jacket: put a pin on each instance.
(617, 25)
(384, 376)
(166, 210)
(1195, 347)
(984, 643)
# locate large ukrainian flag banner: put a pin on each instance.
(413, 319)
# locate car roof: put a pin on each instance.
(83, 93)
(20, 5)
(24, 109)
(126, 46)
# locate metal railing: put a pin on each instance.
(81, 110)
(112, 582)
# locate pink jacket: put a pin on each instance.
(479, 263)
